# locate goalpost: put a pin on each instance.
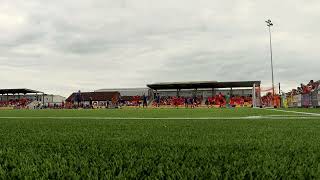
(256, 96)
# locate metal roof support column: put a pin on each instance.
(42, 99)
(150, 94)
(259, 96)
(254, 95)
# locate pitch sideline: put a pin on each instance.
(266, 117)
(296, 112)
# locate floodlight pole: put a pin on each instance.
(269, 24)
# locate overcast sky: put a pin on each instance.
(61, 46)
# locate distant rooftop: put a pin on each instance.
(121, 89)
(19, 91)
(94, 96)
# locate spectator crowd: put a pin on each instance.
(305, 88)
(218, 100)
(16, 103)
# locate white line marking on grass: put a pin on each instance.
(288, 115)
(173, 118)
(296, 112)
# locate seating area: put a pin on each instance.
(235, 101)
(177, 101)
(241, 101)
(16, 103)
(218, 100)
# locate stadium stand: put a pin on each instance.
(200, 93)
(209, 93)
(17, 98)
(28, 99)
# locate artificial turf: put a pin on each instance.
(34, 148)
(144, 113)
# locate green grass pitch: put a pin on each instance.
(203, 143)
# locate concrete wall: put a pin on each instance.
(54, 99)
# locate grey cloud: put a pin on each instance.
(62, 46)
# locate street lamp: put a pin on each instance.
(269, 24)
